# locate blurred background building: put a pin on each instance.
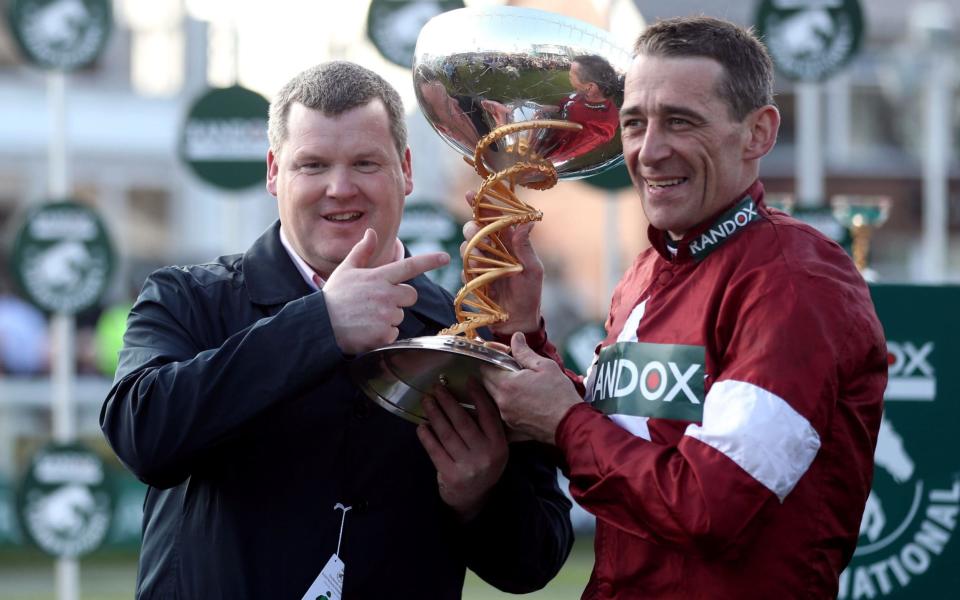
(126, 110)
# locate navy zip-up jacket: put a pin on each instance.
(232, 402)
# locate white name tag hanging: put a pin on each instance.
(329, 583)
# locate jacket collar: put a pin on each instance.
(714, 231)
(272, 278)
(270, 275)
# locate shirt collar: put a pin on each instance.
(309, 275)
(313, 279)
(700, 241)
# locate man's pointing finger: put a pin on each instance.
(408, 268)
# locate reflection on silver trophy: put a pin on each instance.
(528, 97)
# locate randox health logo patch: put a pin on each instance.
(663, 381)
(725, 227)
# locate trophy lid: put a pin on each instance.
(475, 69)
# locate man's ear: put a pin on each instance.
(272, 170)
(763, 125)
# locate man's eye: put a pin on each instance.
(366, 166)
(311, 166)
(633, 124)
(678, 122)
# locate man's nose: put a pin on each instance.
(656, 146)
(340, 183)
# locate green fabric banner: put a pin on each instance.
(908, 546)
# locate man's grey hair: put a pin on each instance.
(747, 81)
(334, 88)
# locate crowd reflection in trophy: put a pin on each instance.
(465, 115)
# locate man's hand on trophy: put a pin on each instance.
(469, 453)
(534, 400)
(518, 293)
(497, 110)
(366, 304)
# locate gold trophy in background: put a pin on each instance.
(861, 214)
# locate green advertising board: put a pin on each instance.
(908, 546)
(224, 138)
(578, 348)
(129, 494)
(62, 257)
(125, 523)
(65, 500)
(428, 227)
(613, 179)
(9, 531)
(61, 34)
(809, 40)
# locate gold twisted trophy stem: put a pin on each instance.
(861, 245)
(497, 207)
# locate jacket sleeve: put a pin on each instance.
(523, 535)
(776, 387)
(176, 394)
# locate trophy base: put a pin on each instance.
(398, 376)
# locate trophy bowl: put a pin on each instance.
(528, 98)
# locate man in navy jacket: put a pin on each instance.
(232, 401)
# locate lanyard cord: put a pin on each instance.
(343, 520)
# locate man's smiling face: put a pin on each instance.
(336, 176)
(682, 146)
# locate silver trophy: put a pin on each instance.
(528, 97)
